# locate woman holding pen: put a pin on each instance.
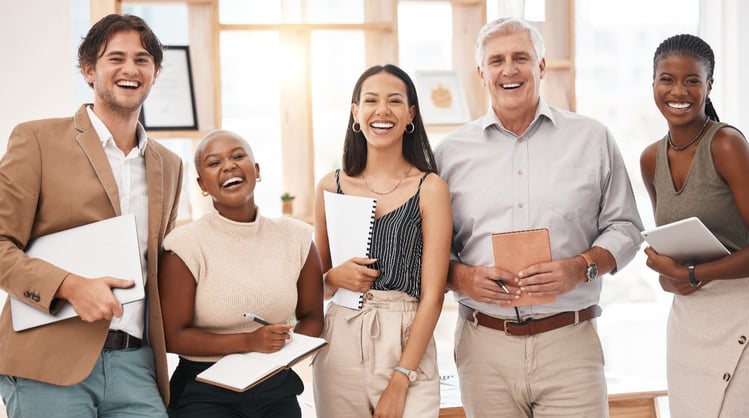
(225, 275)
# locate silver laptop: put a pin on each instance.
(104, 248)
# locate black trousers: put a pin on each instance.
(273, 398)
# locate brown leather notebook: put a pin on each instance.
(514, 251)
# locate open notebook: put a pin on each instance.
(349, 223)
(241, 371)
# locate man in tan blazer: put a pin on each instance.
(62, 173)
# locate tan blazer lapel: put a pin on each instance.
(155, 190)
(91, 145)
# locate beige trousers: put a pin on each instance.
(352, 371)
(558, 373)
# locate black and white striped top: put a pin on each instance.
(397, 243)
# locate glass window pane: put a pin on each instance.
(250, 104)
(249, 11)
(424, 44)
(335, 11)
(614, 48)
(333, 81)
(168, 21)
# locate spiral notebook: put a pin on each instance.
(349, 223)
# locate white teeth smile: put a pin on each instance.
(510, 86)
(231, 182)
(679, 105)
(382, 125)
(130, 84)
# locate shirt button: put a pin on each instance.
(520, 172)
(520, 205)
(726, 377)
(742, 340)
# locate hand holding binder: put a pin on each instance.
(349, 224)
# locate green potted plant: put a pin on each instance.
(287, 200)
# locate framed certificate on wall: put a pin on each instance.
(441, 97)
(171, 103)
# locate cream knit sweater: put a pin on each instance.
(241, 267)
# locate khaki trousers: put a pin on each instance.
(352, 371)
(558, 373)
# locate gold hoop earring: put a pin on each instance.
(413, 128)
(204, 193)
(356, 127)
(258, 179)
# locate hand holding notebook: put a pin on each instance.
(514, 251)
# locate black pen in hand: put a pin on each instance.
(501, 284)
(253, 317)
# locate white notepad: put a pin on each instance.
(349, 223)
(103, 248)
(241, 371)
(686, 241)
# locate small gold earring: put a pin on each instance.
(258, 178)
(204, 193)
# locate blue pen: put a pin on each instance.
(259, 320)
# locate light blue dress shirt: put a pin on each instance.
(564, 173)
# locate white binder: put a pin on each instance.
(349, 222)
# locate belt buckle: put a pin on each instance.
(508, 321)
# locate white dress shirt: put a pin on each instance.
(130, 174)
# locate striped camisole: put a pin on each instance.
(397, 243)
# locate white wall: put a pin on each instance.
(722, 25)
(37, 55)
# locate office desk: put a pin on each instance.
(628, 397)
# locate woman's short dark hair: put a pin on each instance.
(416, 148)
(95, 42)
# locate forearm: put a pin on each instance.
(311, 325)
(197, 342)
(422, 330)
(734, 266)
(455, 274)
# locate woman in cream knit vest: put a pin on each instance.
(225, 264)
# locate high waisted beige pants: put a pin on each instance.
(353, 370)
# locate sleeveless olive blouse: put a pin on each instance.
(704, 195)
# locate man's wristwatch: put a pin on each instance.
(591, 273)
(409, 373)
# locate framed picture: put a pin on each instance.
(171, 103)
(441, 97)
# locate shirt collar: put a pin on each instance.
(491, 119)
(106, 137)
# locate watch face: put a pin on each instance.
(592, 272)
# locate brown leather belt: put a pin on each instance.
(120, 340)
(530, 326)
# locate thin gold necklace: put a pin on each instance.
(683, 147)
(389, 191)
